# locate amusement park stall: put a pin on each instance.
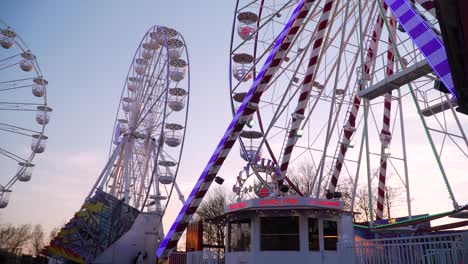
(286, 229)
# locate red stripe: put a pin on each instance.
(317, 44)
(200, 194)
(171, 244)
(327, 6)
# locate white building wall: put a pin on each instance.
(345, 234)
(143, 236)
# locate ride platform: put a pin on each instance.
(398, 79)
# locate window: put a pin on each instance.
(314, 238)
(279, 233)
(239, 236)
(330, 234)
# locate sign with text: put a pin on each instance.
(280, 202)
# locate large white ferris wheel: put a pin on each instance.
(150, 124)
(312, 111)
(24, 111)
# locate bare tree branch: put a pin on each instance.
(211, 207)
(14, 238)
(37, 240)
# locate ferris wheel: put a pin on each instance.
(312, 110)
(150, 124)
(24, 109)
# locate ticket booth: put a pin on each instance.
(286, 230)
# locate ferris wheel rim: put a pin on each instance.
(38, 75)
(233, 88)
(176, 173)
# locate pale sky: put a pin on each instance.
(84, 49)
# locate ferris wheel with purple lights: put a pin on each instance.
(352, 97)
(24, 111)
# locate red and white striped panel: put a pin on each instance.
(298, 114)
(385, 134)
(350, 125)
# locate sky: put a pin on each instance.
(84, 49)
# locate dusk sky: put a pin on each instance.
(85, 48)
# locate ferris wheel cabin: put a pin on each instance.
(286, 230)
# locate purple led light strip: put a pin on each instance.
(425, 39)
(233, 131)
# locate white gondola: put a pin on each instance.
(158, 197)
(173, 139)
(147, 51)
(4, 197)
(43, 115)
(7, 38)
(177, 99)
(241, 66)
(167, 163)
(123, 126)
(27, 63)
(250, 151)
(176, 105)
(165, 175)
(165, 179)
(165, 33)
(140, 66)
(153, 43)
(39, 87)
(251, 145)
(247, 24)
(127, 104)
(175, 47)
(25, 171)
(39, 143)
(173, 135)
(133, 84)
(157, 37)
(177, 69)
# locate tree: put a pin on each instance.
(37, 240)
(211, 207)
(361, 204)
(14, 238)
(303, 177)
(54, 232)
(7, 232)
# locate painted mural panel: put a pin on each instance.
(101, 221)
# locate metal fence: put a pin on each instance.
(429, 249)
(205, 257)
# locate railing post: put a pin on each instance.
(464, 255)
(345, 246)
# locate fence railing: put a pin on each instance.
(429, 249)
(205, 257)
